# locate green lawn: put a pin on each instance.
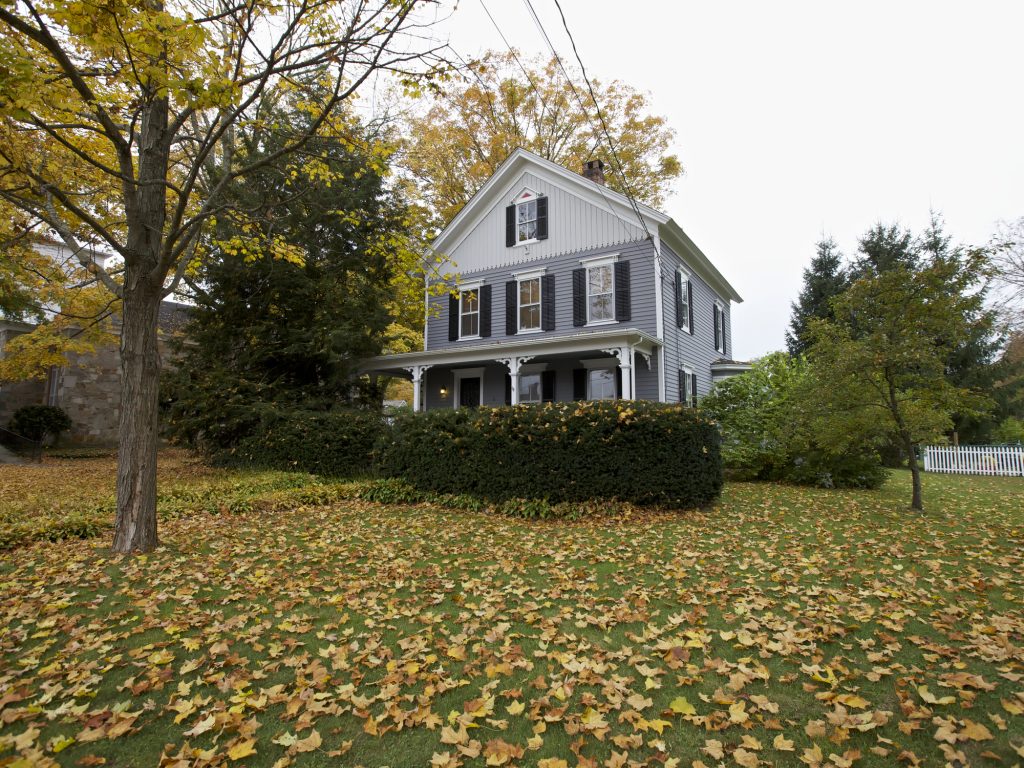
(784, 626)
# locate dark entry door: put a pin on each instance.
(469, 392)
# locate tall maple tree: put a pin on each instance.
(503, 102)
(116, 125)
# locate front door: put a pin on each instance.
(469, 392)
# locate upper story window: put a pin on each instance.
(469, 314)
(684, 301)
(600, 293)
(526, 219)
(529, 304)
(719, 328)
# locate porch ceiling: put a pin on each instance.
(558, 346)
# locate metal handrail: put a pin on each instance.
(21, 444)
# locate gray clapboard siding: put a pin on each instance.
(640, 256)
(696, 352)
(574, 225)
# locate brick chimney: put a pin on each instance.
(594, 170)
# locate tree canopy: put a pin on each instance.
(117, 126)
(477, 120)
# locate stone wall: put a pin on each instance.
(89, 390)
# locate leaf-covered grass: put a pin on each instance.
(70, 497)
(783, 626)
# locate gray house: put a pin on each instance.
(565, 291)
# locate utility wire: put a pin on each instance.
(540, 96)
(604, 125)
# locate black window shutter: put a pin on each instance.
(485, 311)
(619, 373)
(623, 305)
(547, 302)
(693, 390)
(679, 300)
(579, 384)
(724, 351)
(511, 307)
(579, 299)
(689, 302)
(453, 317)
(682, 386)
(714, 308)
(542, 218)
(547, 386)
(508, 389)
(510, 226)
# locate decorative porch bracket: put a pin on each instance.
(514, 364)
(417, 372)
(625, 355)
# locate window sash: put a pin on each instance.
(531, 389)
(600, 293)
(684, 304)
(529, 304)
(526, 221)
(469, 308)
(601, 384)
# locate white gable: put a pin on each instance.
(573, 225)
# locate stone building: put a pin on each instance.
(88, 388)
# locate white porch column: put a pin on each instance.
(514, 364)
(417, 372)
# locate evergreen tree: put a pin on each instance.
(285, 313)
(824, 279)
(882, 248)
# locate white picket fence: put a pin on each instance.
(1005, 460)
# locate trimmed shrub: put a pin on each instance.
(644, 453)
(329, 443)
(37, 421)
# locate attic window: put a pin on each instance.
(526, 217)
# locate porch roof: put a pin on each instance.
(584, 341)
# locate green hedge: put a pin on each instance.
(329, 443)
(637, 452)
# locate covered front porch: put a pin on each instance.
(585, 366)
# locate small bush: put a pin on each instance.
(38, 421)
(1010, 431)
(644, 453)
(329, 443)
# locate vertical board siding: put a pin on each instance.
(639, 254)
(1001, 460)
(573, 225)
(682, 349)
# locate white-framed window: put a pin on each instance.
(526, 216)
(684, 300)
(469, 314)
(601, 383)
(600, 292)
(687, 387)
(719, 328)
(531, 388)
(529, 303)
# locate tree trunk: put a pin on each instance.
(135, 526)
(915, 473)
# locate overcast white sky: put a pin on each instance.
(798, 118)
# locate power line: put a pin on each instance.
(540, 96)
(590, 88)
